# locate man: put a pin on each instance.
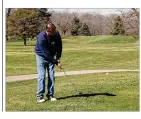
(48, 51)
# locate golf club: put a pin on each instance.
(80, 93)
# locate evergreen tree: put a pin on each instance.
(118, 27)
(85, 30)
(76, 25)
(44, 17)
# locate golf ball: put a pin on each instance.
(107, 73)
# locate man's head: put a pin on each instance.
(50, 28)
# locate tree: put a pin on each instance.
(131, 21)
(8, 10)
(23, 23)
(135, 12)
(118, 27)
(98, 24)
(85, 30)
(63, 21)
(76, 25)
(43, 17)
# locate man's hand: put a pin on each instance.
(59, 64)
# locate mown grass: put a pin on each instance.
(79, 53)
(21, 96)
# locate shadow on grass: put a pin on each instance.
(86, 95)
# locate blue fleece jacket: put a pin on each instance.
(49, 46)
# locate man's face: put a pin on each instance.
(50, 30)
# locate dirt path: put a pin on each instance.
(34, 76)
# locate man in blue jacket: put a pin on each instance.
(48, 51)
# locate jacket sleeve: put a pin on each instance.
(45, 50)
(59, 46)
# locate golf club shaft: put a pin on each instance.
(70, 80)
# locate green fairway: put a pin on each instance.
(117, 91)
(21, 96)
(79, 53)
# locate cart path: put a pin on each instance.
(34, 76)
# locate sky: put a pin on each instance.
(90, 10)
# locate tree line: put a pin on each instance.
(28, 22)
(124, 23)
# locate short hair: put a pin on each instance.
(51, 24)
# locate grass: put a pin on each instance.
(79, 53)
(94, 52)
(21, 96)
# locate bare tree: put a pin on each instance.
(131, 21)
(108, 24)
(98, 24)
(63, 21)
